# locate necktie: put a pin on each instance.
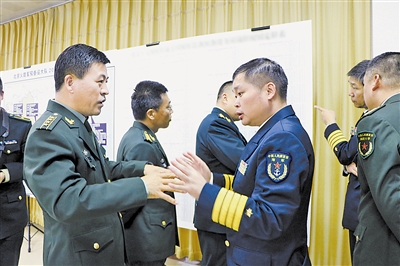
(92, 135)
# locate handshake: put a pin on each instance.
(187, 174)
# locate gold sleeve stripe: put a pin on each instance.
(225, 207)
(228, 208)
(217, 205)
(239, 210)
(228, 181)
(232, 208)
(335, 138)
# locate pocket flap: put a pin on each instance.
(359, 232)
(161, 219)
(93, 241)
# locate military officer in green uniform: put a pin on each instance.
(151, 231)
(378, 133)
(78, 188)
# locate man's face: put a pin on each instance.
(251, 102)
(368, 93)
(230, 100)
(356, 92)
(90, 91)
(163, 115)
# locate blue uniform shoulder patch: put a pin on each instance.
(21, 118)
(366, 143)
(277, 167)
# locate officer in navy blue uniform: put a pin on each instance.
(346, 151)
(219, 144)
(151, 231)
(14, 217)
(265, 208)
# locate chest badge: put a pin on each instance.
(242, 167)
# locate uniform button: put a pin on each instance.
(357, 238)
(96, 246)
(8, 151)
(227, 243)
(164, 223)
(120, 215)
(109, 181)
(20, 197)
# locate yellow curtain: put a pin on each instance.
(341, 38)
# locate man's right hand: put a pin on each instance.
(157, 179)
(328, 116)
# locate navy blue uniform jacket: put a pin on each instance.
(13, 213)
(346, 153)
(267, 209)
(219, 144)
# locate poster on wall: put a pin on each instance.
(27, 91)
(194, 68)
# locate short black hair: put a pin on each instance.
(147, 95)
(260, 71)
(358, 71)
(1, 85)
(223, 87)
(76, 60)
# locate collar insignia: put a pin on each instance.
(69, 121)
(148, 137)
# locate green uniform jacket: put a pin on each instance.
(79, 190)
(378, 231)
(151, 231)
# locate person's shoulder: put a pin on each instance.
(19, 118)
(48, 121)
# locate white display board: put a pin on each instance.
(28, 90)
(194, 68)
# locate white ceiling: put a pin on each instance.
(14, 9)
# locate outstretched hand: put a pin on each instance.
(192, 171)
(157, 180)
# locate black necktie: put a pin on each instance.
(92, 135)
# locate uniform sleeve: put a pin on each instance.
(381, 167)
(344, 150)
(224, 144)
(269, 208)
(68, 189)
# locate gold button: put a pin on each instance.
(120, 215)
(164, 223)
(20, 197)
(8, 151)
(227, 243)
(109, 181)
(96, 246)
(357, 238)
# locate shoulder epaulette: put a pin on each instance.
(25, 119)
(221, 115)
(51, 121)
(148, 137)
